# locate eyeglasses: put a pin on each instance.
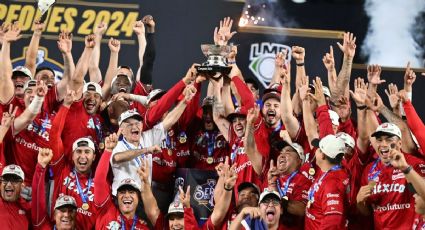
(274, 202)
(12, 181)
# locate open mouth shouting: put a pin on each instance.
(271, 115)
(270, 214)
(19, 85)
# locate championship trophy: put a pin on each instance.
(44, 6)
(216, 62)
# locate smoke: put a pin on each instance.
(394, 29)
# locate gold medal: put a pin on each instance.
(311, 171)
(101, 145)
(372, 184)
(182, 138)
(85, 206)
(285, 198)
(170, 152)
(210, 160)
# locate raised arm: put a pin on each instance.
(359, 97)
(94, 71)
(298, 53)
(77, 79)
(280, 66)
(322, 110)
(31, 54)
(114, 46)
(394, 99)
(349, 49)
(149, 202)
(289, 120)
(218, 110)
(250, 145)
(308, 119)
(145, 75)
(7, 89)
(329, 62)
(29, 114)
(139, 29)
(65, 47)
(172, 117)
(414, 122)
(6, 121)
(129, 155)
(373, 78)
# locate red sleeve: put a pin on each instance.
(324, 120)
(348, 127)
(102, 191)
(247, 99)
(140, 89)
(208, 225)
(189, 219)
(51, 102)
(333, 222)
(59, 157)
(154, 114)
(415, 124)
(191, 109)
(39, 216)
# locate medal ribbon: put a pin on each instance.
(210, 143)
(288, 181)
(133, 226)
(127, 145)
(372, 175)
(315, 186)
(84, 197)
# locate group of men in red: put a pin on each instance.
(103, 154)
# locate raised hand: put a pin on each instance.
(149, 23)
(232, 55)
(44, 157)
(318, 96)
(374, 74)
(12, 32)
(111, 141)
(114, 45)
(223, 34)
(298, 53)
(398, 160)
(360, 92)
(139, 28)
(154, 149)
(349, 45)
(252, 115)
(70, 97)
(100, 29)
(230, 176)
(304, 88)
(329, 61)
(409, 78)
(7, 119)
(89, 41)
(374, 102)
(272, 174)
(2, 32)
(65, 42)
(190, 74)
(184, 197)
(393, 95)
(38, 27)
(143, 171)
(41, 88)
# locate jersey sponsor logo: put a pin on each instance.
(332, 195)
(387, 188)
(204, 194)
(84, 212)
(243, 166)
(26, 144)
(183, 153)
(163, 162)
(391, 207)
(40, 130)
(398, 175)
(262, 57)
(332, 202)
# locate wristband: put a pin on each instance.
(407, 170)
(227, 189)
(300, 64)
(36, 104)
(141, 99)
(362, 107)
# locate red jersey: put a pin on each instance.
(296, 190)
(110, 218)
(393, 204)
(14, 215)
(81, 124)
(330, 200)
(302, 139)
(209, 149)
(419, 223)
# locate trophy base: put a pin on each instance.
(211, 70)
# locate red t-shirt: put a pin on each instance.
(111, 218)
(330, 201)
(393, 204)
(81, 124)
(14, 215)
(209, 145)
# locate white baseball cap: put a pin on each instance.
(326, 91)
(13, 170)
(23, 70)
(30, 83)
(349, 140)
(64, 201)
(175, 207)
(92, 86)
(129, 114)
(268, 193)
(155, 94)
(282, 144)
(387, 129)
(130, 182)
(330, 145)
(334, 117)
(84, 141)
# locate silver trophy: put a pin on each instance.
(216, 62)
(44, 6)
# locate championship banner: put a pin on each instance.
(202, 184)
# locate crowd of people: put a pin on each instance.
(103, 154)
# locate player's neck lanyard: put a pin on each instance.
(44, 123)
(288, 181)
(277, 129)
(133, 226)
(127, 145)
(372, 175)
(84, 197)
(169, 142)
(211, 142)
(316, 186)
